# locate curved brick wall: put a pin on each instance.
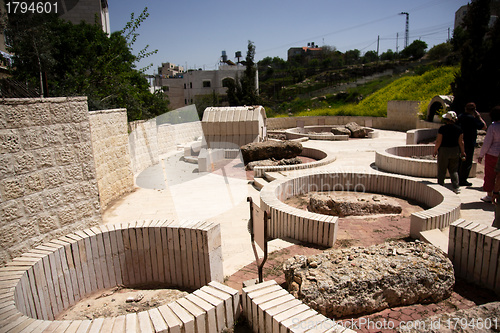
(36, 287)
(321, 157)
(398, 160)
(290, 222)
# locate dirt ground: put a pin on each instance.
(113, 302)
(369, 229)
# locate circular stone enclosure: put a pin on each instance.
(42, 283)
(321, 157)
(314, 133)
(400, 160)
(290, 222)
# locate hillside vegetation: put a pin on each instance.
(376, 94)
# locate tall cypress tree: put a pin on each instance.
(478, 46)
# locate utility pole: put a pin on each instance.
(407, 30)
(378, 44)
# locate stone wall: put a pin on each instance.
(148, 141)
(169, 136)
(143, 141)
(48, 184)
(401, 116)
(111, 154)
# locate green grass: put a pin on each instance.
(407, 88)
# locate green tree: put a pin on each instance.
(388, 55)
(352, 57)
(440, 51)
(370, 56)
(478, 45)
(82, 60)
(243, 91)
(415, 50)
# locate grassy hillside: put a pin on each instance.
(407, 88)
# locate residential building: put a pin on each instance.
(90, 11)
(310, 51)
(169, 70)
(182, 88)
(462, 11)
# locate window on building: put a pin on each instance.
(185, 101)
(184, 86)
(191, 85)
(206, 84)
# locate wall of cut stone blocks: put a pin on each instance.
(148, 141)
(474, 250)
(143, 143)
(48, 184)
(42, 283)
(111, 154)
(170, 136)
(401, 116)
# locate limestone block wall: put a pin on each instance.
(48, 184)
(401, 116)
(143, 141)
(111, 154)
(169, 136)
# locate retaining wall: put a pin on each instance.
(401, 116)
(290, 222)
(474, 250)
(111, 154)
(48, 184)
(36, 287)
(148, 141)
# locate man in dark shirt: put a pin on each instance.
(448, 148)
(470, 121)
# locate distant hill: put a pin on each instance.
(409, 87)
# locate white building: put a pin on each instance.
(182, 88)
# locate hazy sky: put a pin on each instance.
(194, 32)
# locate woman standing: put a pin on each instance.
(489, 152)
(448, 148)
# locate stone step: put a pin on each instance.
(436, 237)
(259, 182)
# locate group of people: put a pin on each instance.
(454, 148)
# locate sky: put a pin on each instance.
(193, 33)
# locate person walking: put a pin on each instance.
(470, 121)
(489, 153)
(495, 197)
(449, 147)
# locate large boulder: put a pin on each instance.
(352, 205)
(277, 150)
(356, 130)
(337, 130)
(362, 280)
